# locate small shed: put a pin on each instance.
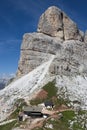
(33, 111)
(48, 104)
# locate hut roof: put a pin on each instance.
(33, 109)
(48, 103)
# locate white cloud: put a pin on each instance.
(7, 76)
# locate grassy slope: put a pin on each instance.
(50, 89)
(52, 95)
(8, 126)
(63, 123)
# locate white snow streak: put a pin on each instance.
(23, 88)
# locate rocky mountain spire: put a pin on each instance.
(51, 22)
(56, 35)
(56, 23)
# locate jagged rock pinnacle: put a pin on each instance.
(51, 22)
(56, 23)
(56, 35)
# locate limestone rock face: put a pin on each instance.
(36, 48)
(56, 23)
(56, 35)
(72, 59)
(70, 29)
(51, 22)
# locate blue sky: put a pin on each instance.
(20, 16)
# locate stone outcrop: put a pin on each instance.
(56, 35)
(71, 59)
(56, 23)
(35, 50)
(51, 22)
(70, 29)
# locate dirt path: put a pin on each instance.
(6, 122)
(36, 123)
(31, 124)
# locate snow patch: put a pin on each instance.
(23, 87)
